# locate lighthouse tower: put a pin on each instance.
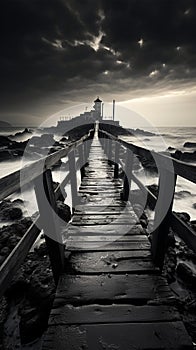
(97, 107)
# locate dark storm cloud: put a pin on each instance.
(53, 51)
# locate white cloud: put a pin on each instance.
(154, 73)
(141, 42)
(57, 43)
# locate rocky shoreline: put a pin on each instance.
(26, 305)
(37, 146)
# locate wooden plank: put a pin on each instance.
(109, 192)
(88, 314)
(101, 221)
(104, 212)
(82, 246)
(104, 230)
(136, 289)
(99, 207)
(108, 238)
(100, 185)
(119, 255)
(93, 263)
(145, 336)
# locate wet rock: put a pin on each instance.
(3, 316)
(21, 133)
(8, 211)
(154, 189)
(11, 214)
(142, 132)
(45, 140)
(32, 290)
(4, 141)
(148, 163)
(185, 156)
(63, 211)
(184, 217)
(185, 273)
(5, 251)
(171, 239)
(5, 155)
(182, 194)
(190, 144)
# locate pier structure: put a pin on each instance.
(110, 293)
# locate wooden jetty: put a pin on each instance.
(110, 291)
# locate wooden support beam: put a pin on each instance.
(127, 175)
(110, 145)
(81, 160)
(47, 209)
(116, 160)
(73, 178)
(85, 150)
(163, 216)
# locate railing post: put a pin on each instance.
(107, 145)
(47, 208)
(104, 143)
(110, 143)
(81, 160)
(160, 234)
(85, 150)
(73, 178)
(116, 159)
(127, 175)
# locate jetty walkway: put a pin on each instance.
(111, 295)
(110, 291)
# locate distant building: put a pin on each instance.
(88, 117)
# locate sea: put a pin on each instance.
(175, 137)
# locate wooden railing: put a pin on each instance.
(122, 154)
(40, 174)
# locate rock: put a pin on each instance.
(171, 148)
(3, 316)
(182, 194)
(5, 251)
(148, 163)
(171, 240)
(4, 141)
(185, 156)
(64, 211)
(45, 140)
(184, 217)
(21, 133)
(5, 155)
(190, 144)
(185, 273)
(11, 213)
(141, 132)
(154, 189)
(194, 205)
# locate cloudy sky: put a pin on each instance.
(58, 53)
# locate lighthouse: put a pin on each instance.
(97, 107)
